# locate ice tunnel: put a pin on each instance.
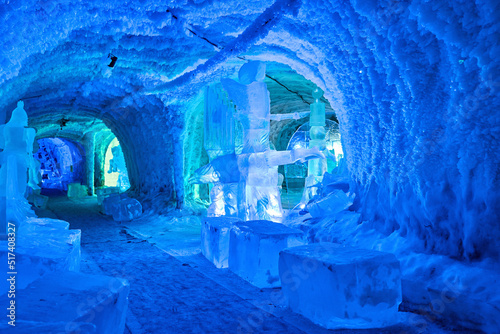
(61, 162)
(176, 131)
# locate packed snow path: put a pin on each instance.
(181, 294)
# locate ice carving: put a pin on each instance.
(246, 181)
(117, 165)
(16, 140)
(317, 132)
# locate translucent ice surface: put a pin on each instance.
(342, 287)
(215, 234)
(254, 250)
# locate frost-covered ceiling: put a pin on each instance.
(414, 85)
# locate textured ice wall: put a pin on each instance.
(416, 88)
(414, 84)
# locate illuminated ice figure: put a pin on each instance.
(258, 192)
(117, 165)
(16, 140)
(316, 168)
(254, 171)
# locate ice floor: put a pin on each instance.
(174, 289)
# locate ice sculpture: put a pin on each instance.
(16, 140)
(117, 165)
(316, 168)
(246, 184)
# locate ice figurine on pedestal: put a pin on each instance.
(16, 140)
(316, 168)
(117, 165)
(258, 195)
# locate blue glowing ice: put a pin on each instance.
(16, 140)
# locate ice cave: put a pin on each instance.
(265, 166)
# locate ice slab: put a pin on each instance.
(331, 204)
(342, 287)
(40, 251)
(215, 235)
(76, 190)
(42, 224)
(254, 248)
(73, 299)
(104, 192)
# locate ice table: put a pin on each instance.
(342, 287)
(74, 300)
(215, 234)
(254, 248)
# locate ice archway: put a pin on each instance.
(414, 85)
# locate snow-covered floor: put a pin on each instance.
(174, 289)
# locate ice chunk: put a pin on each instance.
(104, 192)
(331, 204)
(122, 207)
(254, 248)
(76, 190)
(215, 234)
(73, 299)
(342, 287)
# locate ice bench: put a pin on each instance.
(341, 287)
(215, 234)
(254, 249)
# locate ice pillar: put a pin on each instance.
(89, 144)
(317, 132)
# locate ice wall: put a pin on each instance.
(414, 84)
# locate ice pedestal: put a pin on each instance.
(72, 299)
(342, 287)
(121, 207)
(43, 246)
(76, 190)
(215, 235)
(254, 248)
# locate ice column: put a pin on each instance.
(317, 132)
(219, 141)
(16, 140)
(89, 143)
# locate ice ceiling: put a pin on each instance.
(414, 85)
